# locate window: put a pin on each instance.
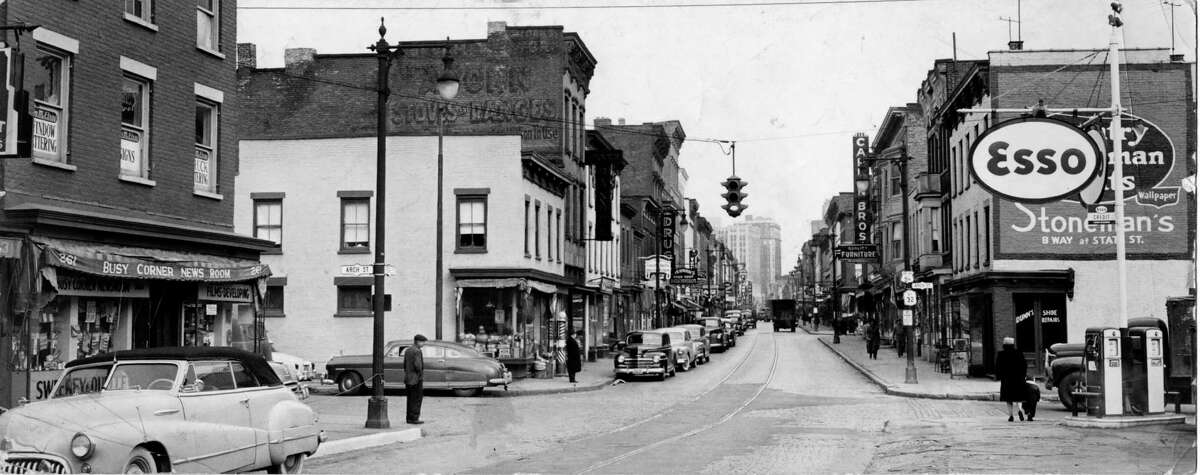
(354, 301)
(526, 226)
(975, 237)
(140, 10)
(205, 176)
(135, 133)
(987, 235)
(537, 230)
(967, 254)
(559, 239)
(894, 175)
(935, 230)
(273, 303)
(268, 220)
(897, 240)
(356, 224)
(208, 25)
(549, 233)
(472, 223)
(49, 83)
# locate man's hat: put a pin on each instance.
(1008, 340)
(420, 337)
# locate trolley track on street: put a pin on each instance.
(726, 417)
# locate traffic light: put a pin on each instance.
(1114, 18)
(734, 196)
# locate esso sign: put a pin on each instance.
(1034, 159)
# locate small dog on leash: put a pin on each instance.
(1033, 394)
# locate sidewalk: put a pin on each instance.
(887, 372)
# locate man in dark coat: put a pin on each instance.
(414, 379)
(573, 363)
(1010, 370)
(873, 340)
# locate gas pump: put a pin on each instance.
(1102, 366)
(1148, 389)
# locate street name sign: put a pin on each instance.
(360, 270)
(857, 252)
(922, 285)
(1034, 159)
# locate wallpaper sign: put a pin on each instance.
(1156, 210)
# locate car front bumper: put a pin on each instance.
(639, 371)
(501, 381)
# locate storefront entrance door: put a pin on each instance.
(157, 324)
(1041, 321)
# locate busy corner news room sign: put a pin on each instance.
(1034, 159)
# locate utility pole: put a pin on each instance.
(1116, 133)
(910, 368)
(837, 303)
(377, 406)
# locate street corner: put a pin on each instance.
(1120, 422)
(367, 441)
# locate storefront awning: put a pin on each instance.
(145, 263)
(691, 305)
(506, 283)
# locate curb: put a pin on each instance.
(326, 390)
(896, 390)
(1119, 422)
(350, 444)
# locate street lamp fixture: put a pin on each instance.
(447, 88)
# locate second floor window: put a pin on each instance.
(208, 24)
(49, 82)
(205, 175)
(356, 224)
(268, 220)
(135, 126)
(472, 223)
(140, 9)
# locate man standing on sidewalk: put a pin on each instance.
(414, 379)
(574, 363)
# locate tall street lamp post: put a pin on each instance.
(836, 304)
(447, 89)
(377, 406)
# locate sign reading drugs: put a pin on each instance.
(1034, 160)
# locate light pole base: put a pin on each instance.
(377, 413)
(910, 373)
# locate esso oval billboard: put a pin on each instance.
(1034, 159)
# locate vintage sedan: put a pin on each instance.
(202, 409)
(699, 339)
(448, 365)
(719, 335)
(681, 347)
(646, 352)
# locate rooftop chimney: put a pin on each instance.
(496, 27)
(296, 61)
(246, 55)
(602, 122)
(621, 121)
(1016, 45)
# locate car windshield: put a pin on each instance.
(283, 372)
(644, 339)
(157, 376)
(82, 381)
(711, 323)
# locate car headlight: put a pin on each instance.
(656, 356)
(82, 446)
(620, 358)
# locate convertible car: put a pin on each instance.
(447, 366)
(203, 409)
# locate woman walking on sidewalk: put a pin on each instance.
(872, 334)
(1010, 370)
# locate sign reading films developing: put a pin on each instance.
(1156, 209)
(862, 221)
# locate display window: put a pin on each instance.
(96, 321)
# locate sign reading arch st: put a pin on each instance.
(1034, 159)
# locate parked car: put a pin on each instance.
(733, 318)
(197, 409)
(288, 376)
(700, 344)
(448, 365)
(305, 370)
(719, 338)
(646, 352)
(681, 348)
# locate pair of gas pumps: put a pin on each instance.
(1124, 371)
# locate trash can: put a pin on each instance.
(959, 363)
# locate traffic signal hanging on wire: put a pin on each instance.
(733, 196)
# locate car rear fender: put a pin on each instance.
(1064, 365)
(291, 429)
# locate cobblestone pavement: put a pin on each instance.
(778, 402)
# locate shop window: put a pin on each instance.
(208, 24)
(199, 325)
(96, 321)
(273, 303)
(268, 220)
(356, 225)
(472, 223)
(492, 324)
(894, 178)
(354, 301)
(140, 11)
(205, 175)
(526, 226)
(48, 81)
(135, 127)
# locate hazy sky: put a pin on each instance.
(790, 83)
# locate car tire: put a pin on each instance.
(1070, 383)
(292, 464)
(141, 461)
(350, 383)
(663, 376)
(468, 392)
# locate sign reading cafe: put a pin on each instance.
(862, 221)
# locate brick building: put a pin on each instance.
(515, 143)
(1040, 273)
(117, 232)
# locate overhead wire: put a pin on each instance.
(584, 7)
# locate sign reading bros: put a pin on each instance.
(862, 221)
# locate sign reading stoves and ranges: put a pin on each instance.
(1157, 210)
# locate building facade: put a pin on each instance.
(756, 242)
(117, 228)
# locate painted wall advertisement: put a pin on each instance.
(1157, 209)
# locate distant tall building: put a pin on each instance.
(756, 242)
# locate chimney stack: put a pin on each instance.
(1016, 45)
(296, 61)
(621, 121)
(246, 56)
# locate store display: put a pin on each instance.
(96, 321)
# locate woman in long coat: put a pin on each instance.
(873, 340)
(1010, 370)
